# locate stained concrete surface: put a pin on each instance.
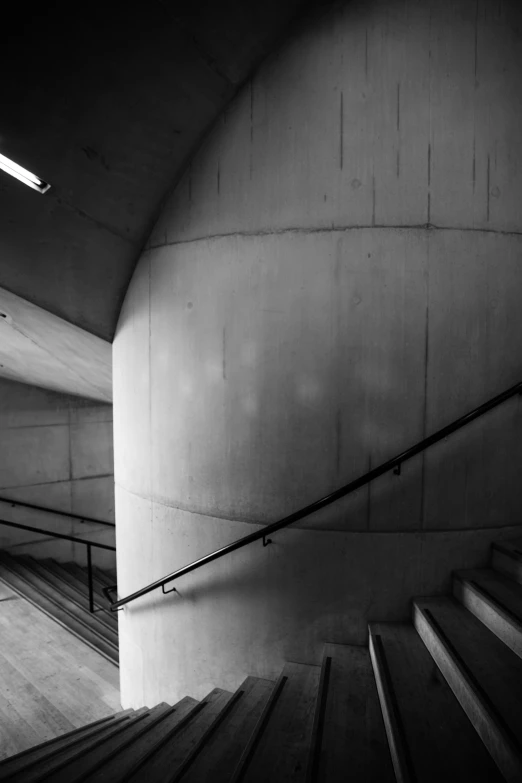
(261, 606)
(336, 275)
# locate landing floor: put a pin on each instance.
(50, 681)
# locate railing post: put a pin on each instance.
(91, 588)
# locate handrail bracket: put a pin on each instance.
(394, 464)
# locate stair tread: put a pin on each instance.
(75, 575)
(504, 591)
(122, 763)
(218, 758)
(58, 598)
(29, 756)
(164, 765)
(493, 667)
(349, 730)
(79, 597)
(32, 703)
(279, 749)
(103, 576)
(81, 573)
(82, 766)
(439, 740)
(55, 612)
(38, 768)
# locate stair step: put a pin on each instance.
(35, 754)
(121, 764)
(506, 557)
(45, 592)
(221, 752)
(79, 598)
(168, 762)
(46, 589)
(83, 618)
(81, 766)
(429, 735)
(495, 600)
(105, 575)
(76, 575)
(41, 766)
(349, 732)
(111, 574)
(55, 610)
(484, 674)
(82, 574)
(278, 750)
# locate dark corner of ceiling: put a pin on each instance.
(109, 102)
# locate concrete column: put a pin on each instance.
(337, 275)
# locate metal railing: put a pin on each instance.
(88, 544)
(48, 510)
(391, 464)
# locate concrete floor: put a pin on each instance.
(50, 681)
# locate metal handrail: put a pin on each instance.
(55, 511)
(394, 463)
(88, 544)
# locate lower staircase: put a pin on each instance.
(61, 590)
(435, 700)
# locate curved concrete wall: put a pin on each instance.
(337, 275)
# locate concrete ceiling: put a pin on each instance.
(38, 348)
(108, 102)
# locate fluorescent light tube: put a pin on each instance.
(12, 168)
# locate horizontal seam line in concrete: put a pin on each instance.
(188, 510)
(416, 531)
(51, 483)
(55, 424)
(34, 426)
(331, 230)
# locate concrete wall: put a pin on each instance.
(337, 275)
(56, 451)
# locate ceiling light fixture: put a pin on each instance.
(12, 168)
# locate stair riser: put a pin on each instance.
(52, 767)
(80, 600)
(41, 753)
(90, 763)
(279, 746)
(394, 740)
(505, 756)
(122, 764)
(506, 630)
(108, 651)
(81, 578)
(84, 619)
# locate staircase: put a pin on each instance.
(61, 590)
(435, 700)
